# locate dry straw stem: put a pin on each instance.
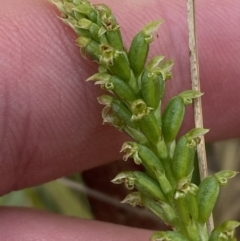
(198, 117)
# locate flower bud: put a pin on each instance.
(138, 53)
(89, 46)
(226, 231)
(85, 8)
(140, 46)
(93, 28)
(114, 84)
(123, 113)
(143, 155)
(136, 134)
(152, 88)
(206, 197)
(109, 27)
(115, 61)
(149, 160)
(182, 209)
(172, 118)
(148, 186)
(183, 159)
(162, 210)
(149, 126)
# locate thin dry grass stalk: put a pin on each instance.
(198, 117)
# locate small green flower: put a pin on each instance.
(134, 199)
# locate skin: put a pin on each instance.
(50, 119)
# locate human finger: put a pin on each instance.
(25, 224)
(50, 122)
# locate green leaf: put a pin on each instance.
(67, 201)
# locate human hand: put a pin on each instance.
(50, 124)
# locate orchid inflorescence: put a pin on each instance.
(133, 105)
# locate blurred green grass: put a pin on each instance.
(54, 197)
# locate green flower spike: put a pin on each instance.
(136, 90)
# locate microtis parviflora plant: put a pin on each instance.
(134, 92)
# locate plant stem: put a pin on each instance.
(198, 117)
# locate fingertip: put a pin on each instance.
(25, 224)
